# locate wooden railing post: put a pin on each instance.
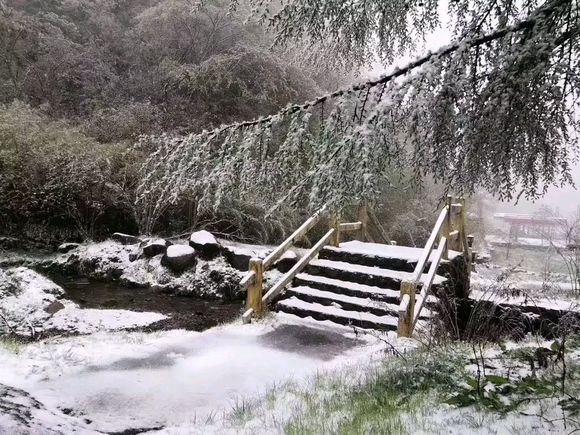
(405, 327)
(335, 224)
(255, 289)
(363, 216)
(446, 228)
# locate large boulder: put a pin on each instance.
(238, 255)
(179, 258)
(206, 244)
(155, 247)
(125, 239)
(287, 261)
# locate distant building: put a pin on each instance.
(532, 231)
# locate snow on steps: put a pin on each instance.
(335, 314)
(352, 288)
(401, 258)
(372, 276)
(350, 303)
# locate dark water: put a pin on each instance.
(184, 312)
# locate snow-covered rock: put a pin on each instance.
(239, 254)
(125, 239)
(25, 300)
(206, 244)
(110, 261)
(155, 247)
(179, 257)
(21, 413)
(67, 247)
(287, 261)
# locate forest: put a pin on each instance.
(289, 217)
(81, 82)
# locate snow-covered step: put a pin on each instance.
(349, 303)
(336, 314)
(400, 258)
(371, 276)
(351, 288)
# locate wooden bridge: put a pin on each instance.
(365, 284)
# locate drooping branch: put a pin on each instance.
(488, 111)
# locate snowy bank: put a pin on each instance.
(31, 304)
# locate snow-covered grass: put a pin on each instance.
(431, 391)
(126, 380)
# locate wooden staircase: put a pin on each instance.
(357, 284)
(366, 285)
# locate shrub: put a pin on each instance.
(58, 183)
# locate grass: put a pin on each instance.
(376, 402)
(428, 391)
(11, 345)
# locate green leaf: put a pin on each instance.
(497, 380)
(472, 382)
(556, 346)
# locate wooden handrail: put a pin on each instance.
(293, 238)
(350, 226)
(289, 276)
(429, 246)
(451, 226)
(426, 289)
(271, 258)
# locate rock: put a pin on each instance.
(125, 239)
(130, 281)
(179, 258)
(206, 244)
(67, 247)
(238, 259)
(155, 247)
(287, 261)
(54, 307)
(238, 255)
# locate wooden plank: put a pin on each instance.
(254, 298)
(429, 280)
(289, 276)
(456, 208)
(429, 246)
(350, 226)
(247, 316)
(363, 216)
(446, 228)
(248, 279)
(406, 309)
(454, 235)
(334, 224)
(293, 238)
(404, 305)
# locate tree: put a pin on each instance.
(495, 109)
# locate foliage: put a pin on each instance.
(142, 67)
(425, 390)
(494, 110)
(53, 176)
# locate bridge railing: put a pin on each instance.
(254, 280)
(451, 230)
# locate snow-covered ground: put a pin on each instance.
(126, 380)
(515, 285)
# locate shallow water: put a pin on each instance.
(184, 312)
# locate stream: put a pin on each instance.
(184, 312)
